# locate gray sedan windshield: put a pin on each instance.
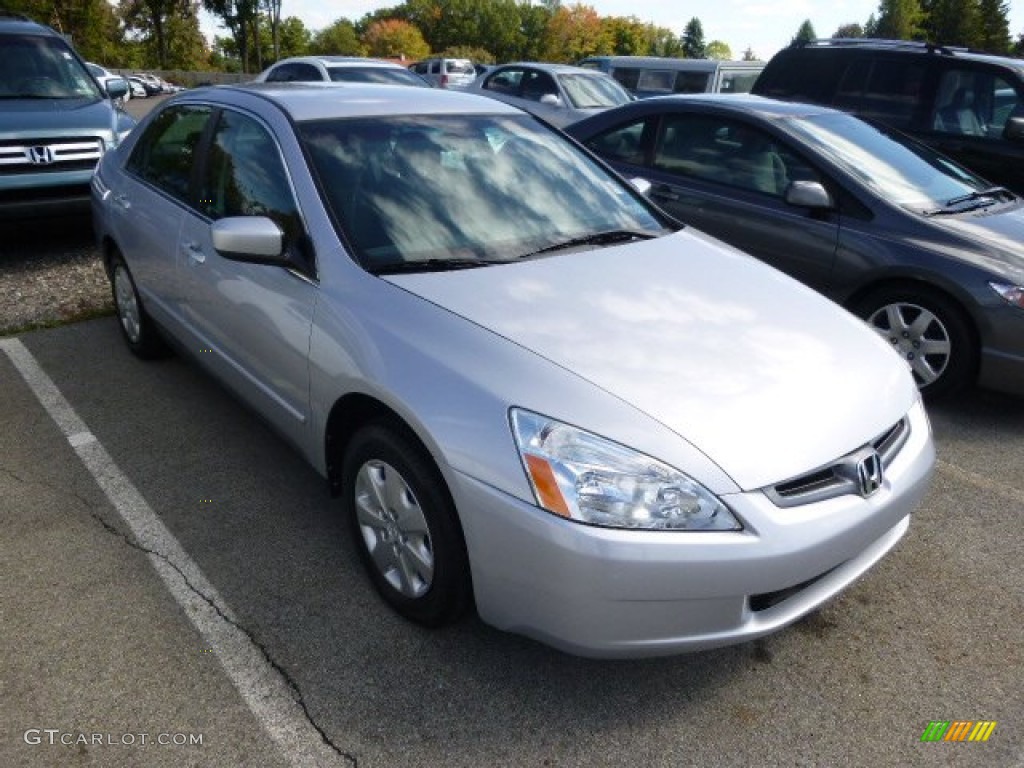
(896, 168)
(593, 91)
(463, 190)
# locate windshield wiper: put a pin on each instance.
(430, 265)
(984, 198)
(607, 237)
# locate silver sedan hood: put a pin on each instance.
(763, 375)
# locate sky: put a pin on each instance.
(765, 26)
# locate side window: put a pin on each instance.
(537, 84)
(506, 81)
(624, 143)
(279, 74)
(628, 77)
(893, 91)
(245, 176)
(728, 152)
(655, 80)
(802, 76)
(692, 82)
(165, 153)
(975, 102)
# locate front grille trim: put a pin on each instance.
(839, 477)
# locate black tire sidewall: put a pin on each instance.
(149, 345)
(449, 594)
(963, 360)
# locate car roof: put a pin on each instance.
(557, 69)
(670, 63)
(744, 103)
(903, 47)
(306, 101)
(16, 22)
(341, 61)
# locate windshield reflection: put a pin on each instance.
(896, 168)
(455, 187)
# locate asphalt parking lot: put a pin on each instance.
(95, 644)
(178, 591)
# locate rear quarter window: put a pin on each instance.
(802, 76)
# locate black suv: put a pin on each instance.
(967, 105)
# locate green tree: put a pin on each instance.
(238, 17)
(716, 49)
(91, 24)
(394, 39)
(158, 23)
(849, 30)
(533, 33)
(900, 20)
(994, 26)
(805, 33)
(339, 38)
(664, 42)
(628, 35)
(1018, 46)
(871, 26)
(749, 55)
(693, 39)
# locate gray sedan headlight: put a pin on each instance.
(583, 477)
(1012, 294)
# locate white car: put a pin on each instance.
(339, 69)
(533, 391)
(104, 76)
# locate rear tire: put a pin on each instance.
(929, 331)
(139, 331)
(405, 527)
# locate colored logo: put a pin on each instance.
(958, 730)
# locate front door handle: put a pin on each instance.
(194, 252)
(122, 201)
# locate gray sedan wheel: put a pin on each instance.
(136, 326)
(929, 332)
(405, 526)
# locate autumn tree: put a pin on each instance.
(693, 39)
(717, 49)
(394, 39)
(575, 32)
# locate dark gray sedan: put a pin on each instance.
(926, 252)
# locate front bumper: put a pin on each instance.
(1002, 356)
(615, 593)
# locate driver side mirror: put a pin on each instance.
(116, 87)
(808, 194)
(551, 99)
(1014, 130)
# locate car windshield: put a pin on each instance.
(41, 67)
(459, 67)
(378, 75)
(464, 190)
(587, 91)
(895, 167)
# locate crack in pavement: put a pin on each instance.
(290, 682)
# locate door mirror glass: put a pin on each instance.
(808, 194)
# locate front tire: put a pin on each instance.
(929, 331)
(405, 527)
(138, 329)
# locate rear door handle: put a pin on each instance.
(194, 252)
(122, 201)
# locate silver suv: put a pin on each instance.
(56, 121)
(446, 73)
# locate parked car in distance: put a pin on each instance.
(339, 69)
(138, 90)
(442, 72)
(55, 123)
(558, 93)
(930, 255)
(149, 83)
(646, 76)
(104, 76)
(530, 391)
(969, 106)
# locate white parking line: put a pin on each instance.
(263, 688)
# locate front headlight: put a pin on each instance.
(1011, 294)
(583, 477)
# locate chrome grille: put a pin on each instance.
(840, 477)
(50, 154)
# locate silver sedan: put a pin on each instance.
(531, 391)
